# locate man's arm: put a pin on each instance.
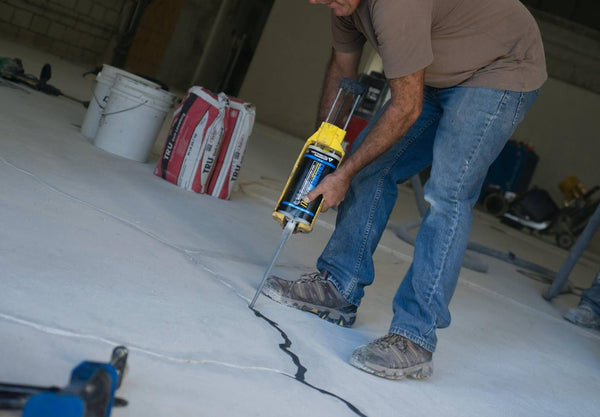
(341, 65)
(404, 109)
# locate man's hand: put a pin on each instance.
(333, 188)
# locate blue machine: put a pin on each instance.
(513, 168)
(90, 393)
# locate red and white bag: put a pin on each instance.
(239, 121)
(194, 140)
(206, 142)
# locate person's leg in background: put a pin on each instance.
(587, 314)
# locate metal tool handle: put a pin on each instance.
(348, 86)
(290, 226)
(14, 396)
(352, 86)
(119, 361)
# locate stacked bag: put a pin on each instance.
(206, 142)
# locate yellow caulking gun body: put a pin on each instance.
(320, 156)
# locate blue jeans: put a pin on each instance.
(591, 296)
(460, 132)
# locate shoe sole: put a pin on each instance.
(420, 371)
(583, 323)
(339, 317)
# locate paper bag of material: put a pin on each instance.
(239, 121)
(192, 146)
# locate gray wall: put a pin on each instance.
(187, 43)
(80, 30)
(562, 125)
(286, 73)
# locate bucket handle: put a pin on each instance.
(123, 111)
(98, 101)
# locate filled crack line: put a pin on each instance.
(301, 370)
(54, 331)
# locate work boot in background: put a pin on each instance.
(583, 315)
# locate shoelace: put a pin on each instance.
(312, 277)
(386, 342)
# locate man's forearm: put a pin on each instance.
(395, 121)
(401, 113)
(389, 128)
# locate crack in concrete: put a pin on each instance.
(55, 331)
(301, 370)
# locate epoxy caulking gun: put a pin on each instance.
(321, 155)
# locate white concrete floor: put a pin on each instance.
(96, 251)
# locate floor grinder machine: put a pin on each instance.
(320, 156)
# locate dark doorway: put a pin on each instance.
(231, 44)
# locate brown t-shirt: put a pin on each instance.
(475, 43)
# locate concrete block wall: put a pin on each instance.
(78, 30)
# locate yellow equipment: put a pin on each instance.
(327, 143)
(321, 155)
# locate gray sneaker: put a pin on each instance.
(312, 293)
(583, 316)
(393, 357)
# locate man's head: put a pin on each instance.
(339, 7)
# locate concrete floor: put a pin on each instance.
(96, 251)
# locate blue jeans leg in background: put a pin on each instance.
(460, 132)
(591, 296)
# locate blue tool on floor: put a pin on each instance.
(90, 393)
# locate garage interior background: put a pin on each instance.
(273, 54)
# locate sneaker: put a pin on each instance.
(313, 293)
(393, 357)
(583, 316)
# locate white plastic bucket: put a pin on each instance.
(104, 81)
(132, 118)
